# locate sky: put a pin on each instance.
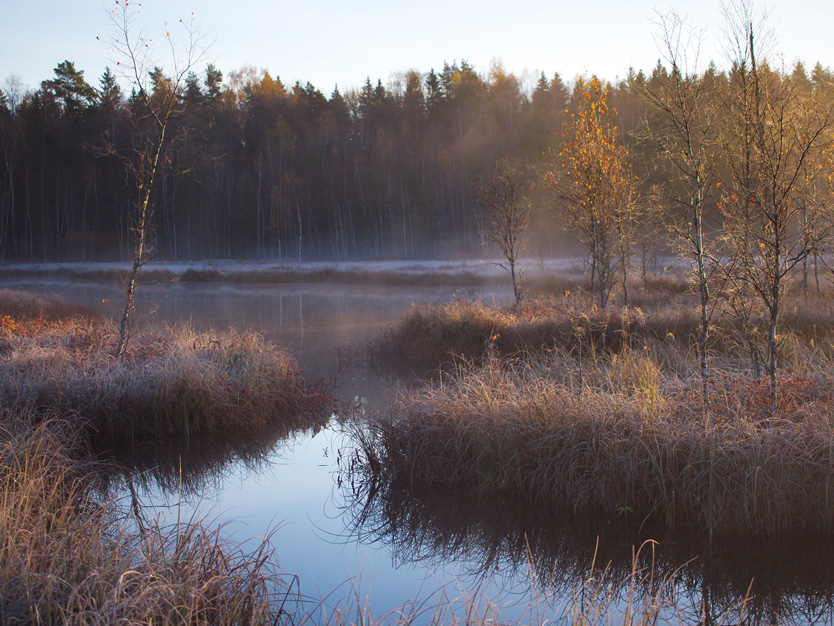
(340, 42)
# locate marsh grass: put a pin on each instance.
(624, 440)
(70, 555)
(18, 304)
(432, 336)
(562, 404)
(173, 381)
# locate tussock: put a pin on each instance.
(429, 337)
(621, 440)
(174, 381)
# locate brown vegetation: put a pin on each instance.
(170, 382)
(622, 438)
(68, 556)
(602, 411)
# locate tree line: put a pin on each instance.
(259, 169)
(264, 170)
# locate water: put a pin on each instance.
(400, 545)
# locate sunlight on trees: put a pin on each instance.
(595, 188)
(774, 141)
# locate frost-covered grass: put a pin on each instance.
(621, 440)
(561, 404)
(664, 314)
(173, 381)
(68, 555)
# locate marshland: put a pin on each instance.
(430, 454)
(471, 346)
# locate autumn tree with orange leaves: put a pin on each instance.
(596, 188)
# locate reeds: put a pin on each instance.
(623, 441)
(174, 381)
(434, 336)
(429, 336)
(71, 556)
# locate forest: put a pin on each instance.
(258, 169)
(666, 377)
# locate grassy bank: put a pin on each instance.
(432, 335)
(173, 381)
(73, 552)
(665, 312)
(70, 556)
(623, 442)
(561, 404)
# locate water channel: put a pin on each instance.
(403, 547)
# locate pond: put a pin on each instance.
(344, 541)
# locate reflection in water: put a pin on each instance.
(198, 466)
(483, 540)
(720, 581)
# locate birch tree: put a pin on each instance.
(774, 140)
(157, 105)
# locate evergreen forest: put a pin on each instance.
(262, 170)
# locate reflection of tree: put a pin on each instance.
(198, 465)
(503, 541)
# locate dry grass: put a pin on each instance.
(429, 337)
(558, 403)
(622, 439)
(173, 382)
(69, 556)
(16, 304)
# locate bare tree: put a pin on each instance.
(505, 214)
(774, 142)
(157, 104)
(680, 126)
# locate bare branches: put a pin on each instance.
(138, 59)
(157, 99)
(506, 214)
(774, 146)
(680, 127)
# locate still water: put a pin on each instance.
(393, 547)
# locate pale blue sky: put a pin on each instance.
(330, 41)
